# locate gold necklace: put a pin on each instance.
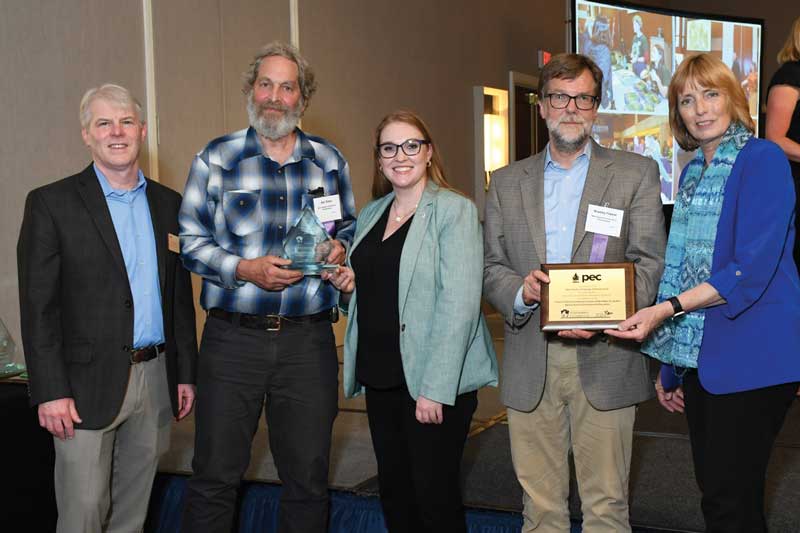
(398, 217)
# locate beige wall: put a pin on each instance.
(50, 53)
(374, 57)
(370, 56)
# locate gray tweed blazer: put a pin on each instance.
(613, 373)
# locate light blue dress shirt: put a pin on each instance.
(130, 214)
(563, 188)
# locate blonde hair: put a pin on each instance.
(114, 94)
(380, 185)
(791, 49)
(711, 73)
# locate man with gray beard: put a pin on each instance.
(572, 390)
(268, 339)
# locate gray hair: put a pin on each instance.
(115, 94)
(305, 75)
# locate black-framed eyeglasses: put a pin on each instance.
(410, 147)
(584, 102)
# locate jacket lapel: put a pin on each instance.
(532, 190)
(414, 238)
(159, 233)
(598, 176)
(92, 195)
(366, 220)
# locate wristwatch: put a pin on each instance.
(677, 308)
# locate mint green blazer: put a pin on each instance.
(445, 345)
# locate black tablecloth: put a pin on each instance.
(27, 497)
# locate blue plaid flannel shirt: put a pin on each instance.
(238, 203)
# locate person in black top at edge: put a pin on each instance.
(783, 112)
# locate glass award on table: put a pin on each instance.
(308, 245)
(8, 368)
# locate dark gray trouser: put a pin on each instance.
(293, 373)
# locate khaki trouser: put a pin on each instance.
(103, 477)
(600, 442)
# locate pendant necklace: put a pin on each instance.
(398, 217)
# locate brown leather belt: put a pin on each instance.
(141, 355)
(268, 322)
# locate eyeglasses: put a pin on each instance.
(584, 102)
(410, 147)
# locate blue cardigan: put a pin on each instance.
(752, 340)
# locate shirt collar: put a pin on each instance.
(548, 160)
(109, 191)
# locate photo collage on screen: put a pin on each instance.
(638, 50)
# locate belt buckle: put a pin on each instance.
(133, 356)
(273, 322)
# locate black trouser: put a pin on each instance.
(732, 437)
(419, 465)
(295, 372)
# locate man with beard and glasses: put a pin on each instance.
(572, 390)
(268, 339)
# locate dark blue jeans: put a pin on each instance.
(293, 374)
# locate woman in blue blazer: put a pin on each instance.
(727, 325)
(416, 339)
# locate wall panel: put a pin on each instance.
(50, 53)
(188, 70)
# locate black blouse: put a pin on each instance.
(376, 264)
(789, 74)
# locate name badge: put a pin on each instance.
(604, 220)
(173, 243)
(328, 208)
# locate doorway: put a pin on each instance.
(528, 129)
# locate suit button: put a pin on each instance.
(127, 304)
(402, 327)
(126, 348)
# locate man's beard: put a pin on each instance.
(568, 144)
(269, 127)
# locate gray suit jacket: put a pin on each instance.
(613, 373)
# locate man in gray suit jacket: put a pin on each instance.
(576, 390)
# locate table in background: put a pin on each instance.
(26, 462)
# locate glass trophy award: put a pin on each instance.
(7, 350)
(308, 245)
